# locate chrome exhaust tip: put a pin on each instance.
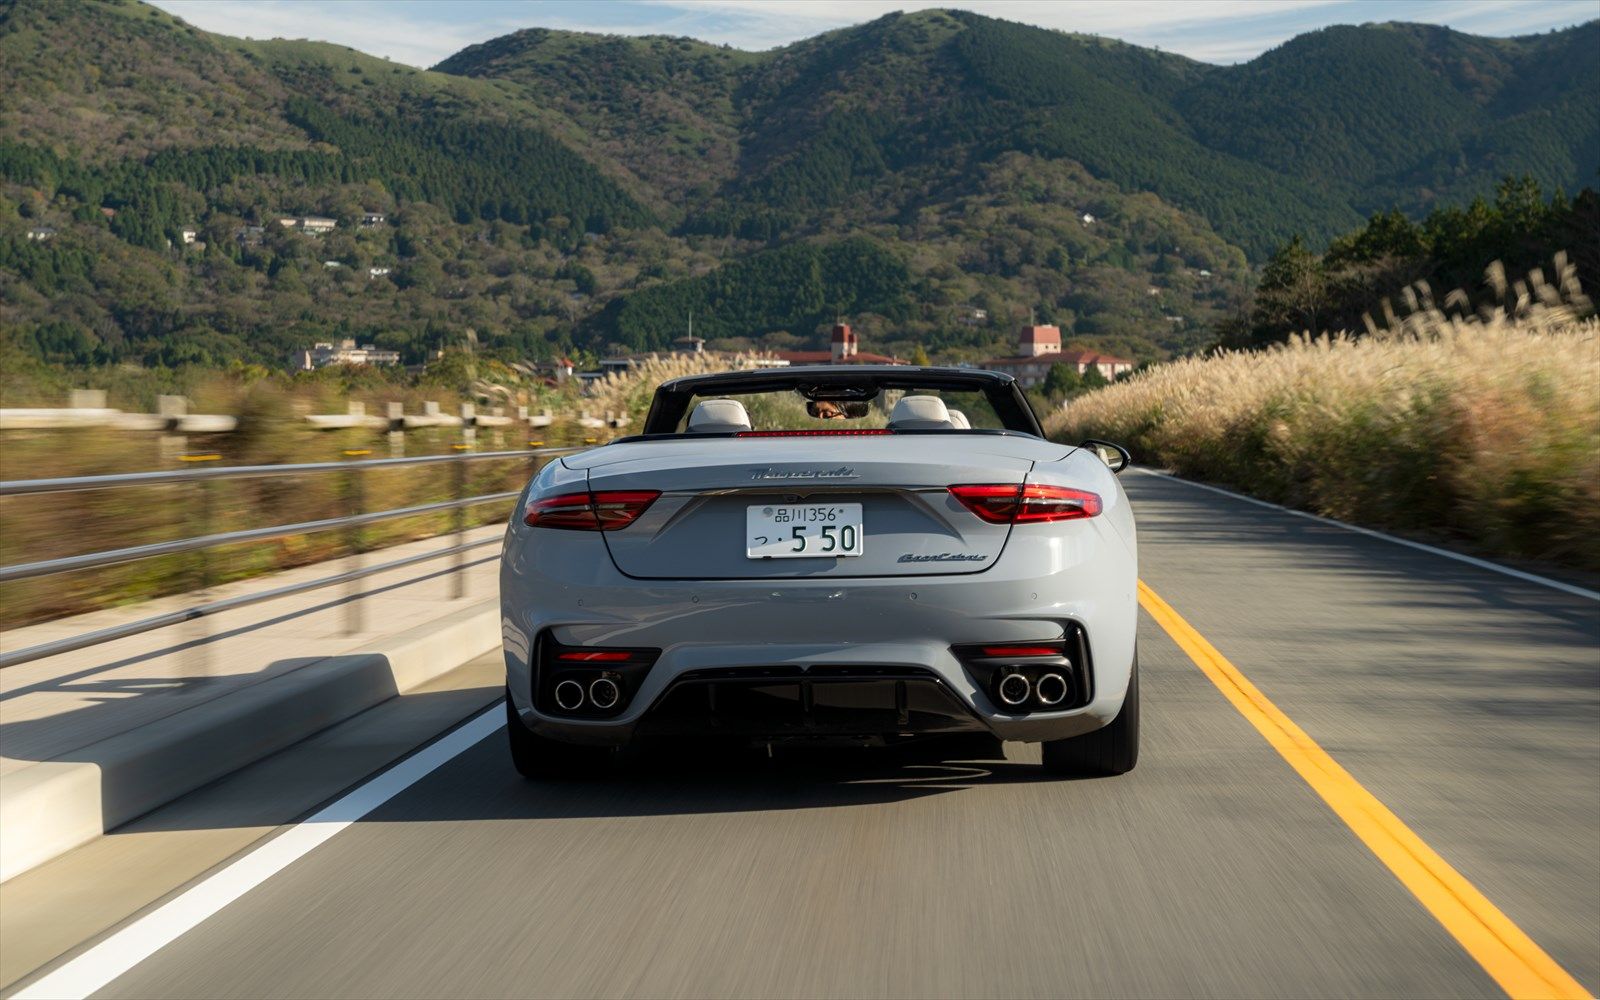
(604, 693)
(569, 695)
(1052, 689)
(1014, 689)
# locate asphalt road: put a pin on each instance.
(1466, 701)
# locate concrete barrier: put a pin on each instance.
(50, 807)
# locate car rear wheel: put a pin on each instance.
(1112, 749)
(534, 756)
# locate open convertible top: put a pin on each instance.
(842, 383)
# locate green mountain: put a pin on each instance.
(938, 175)
(1403, 115)
(1308, 138)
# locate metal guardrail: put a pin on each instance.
(22, 487)
(87, 408)
(208, 540)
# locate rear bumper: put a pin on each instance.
(776, 703)
(562, 584)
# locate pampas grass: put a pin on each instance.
(1483, 427)
(628, 393)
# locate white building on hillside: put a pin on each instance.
(314, 224)
(346, 353)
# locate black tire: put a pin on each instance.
(536, 757)
(1112, 749)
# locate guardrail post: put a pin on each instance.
(397, 430)
(205, 514)
(86, 399)
(172, 409)
(526, 420)
(458, 517)
(355, 503)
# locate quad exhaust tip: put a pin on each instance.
(1051, 689)
(604, 693)
(1014, 689)
(569, 695)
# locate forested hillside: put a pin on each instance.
(936, 176)
(1363, 276)
(1408, 115)
(798, 287)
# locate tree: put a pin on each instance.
(1520, 204)
(1386, 234)
(580, 276)
(1093, 378)
(422, 273)
(1294, 289)
(1063, 380)
(919, 356)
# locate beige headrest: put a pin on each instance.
(920, 413)
(718, 416)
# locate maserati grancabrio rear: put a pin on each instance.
(833, 554)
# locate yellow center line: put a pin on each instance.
(1506, 953)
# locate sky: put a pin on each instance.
(423, 32)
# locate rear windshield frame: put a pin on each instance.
(673, 398)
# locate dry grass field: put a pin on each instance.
(628, 393)
(1481, 428)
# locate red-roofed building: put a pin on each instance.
(1039, 348)
(1037, 340)
(844, 349)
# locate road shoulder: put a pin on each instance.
(57, 908)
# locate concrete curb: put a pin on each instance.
(56, 805)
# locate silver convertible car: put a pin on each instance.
(830, 554)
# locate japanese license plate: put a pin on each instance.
(803, 530)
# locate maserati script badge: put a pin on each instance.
(842, 472)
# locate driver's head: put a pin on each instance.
(827, 409)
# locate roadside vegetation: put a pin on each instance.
(271, 408)
(1473, 427)
(1343, 287)
(628, 393)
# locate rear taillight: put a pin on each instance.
(607, 510)
(1027, 502)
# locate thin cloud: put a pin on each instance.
(1219, 31)
(1509, 17)
(1127, 15)
(374, 28)
(1195, 27)
(422, 33)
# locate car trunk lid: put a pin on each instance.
(911, 524)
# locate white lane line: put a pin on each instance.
(1493, 567)
(126, 948)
